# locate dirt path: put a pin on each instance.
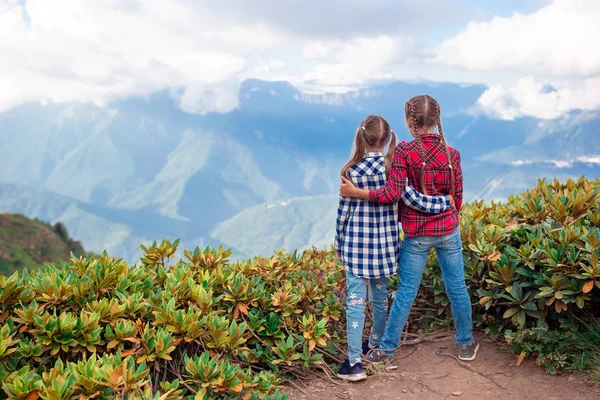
(425, 374)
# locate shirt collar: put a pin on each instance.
(373, 154)
(430, 137)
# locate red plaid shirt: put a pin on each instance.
(437, 182)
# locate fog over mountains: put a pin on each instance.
(262, 177)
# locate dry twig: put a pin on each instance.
(468, 367)
(298, 388)
(326, 353)
(434, 337)
(417, 347)
(324, 368)
(424, 385)
(178, 375)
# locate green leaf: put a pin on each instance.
(559, 295)
(525, 272)
(510, 312)
(521, 318)
(516, 291)
(529, 306)
(273, 321)
(474, 248)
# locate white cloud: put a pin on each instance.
(566, 163)
(549, 54)
(559, 38)
(271, 66)
(273, 70)
(359, 60)
(336, 19)
(202, 100)
(69, 50)
(84, 51)
(319, 49)
(534, 99)
(99, 51)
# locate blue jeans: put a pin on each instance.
(355, 316)
(413, 257)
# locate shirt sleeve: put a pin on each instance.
(394, 187)
(344, 209)
(420, 202)
(458, 184)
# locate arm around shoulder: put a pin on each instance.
(430, 204)
(396, 183)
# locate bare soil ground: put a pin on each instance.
(430, 371)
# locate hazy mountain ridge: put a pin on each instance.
(282, 225)
(569, 140)
(141, 169)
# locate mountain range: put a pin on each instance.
(261, 177)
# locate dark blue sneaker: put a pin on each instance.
(366, 348)
(380, 357)
(353, 373)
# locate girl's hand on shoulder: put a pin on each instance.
(347, 188)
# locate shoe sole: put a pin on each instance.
(352, 377)
(472, 357)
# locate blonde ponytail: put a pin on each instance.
(373, 131)
(358, 151)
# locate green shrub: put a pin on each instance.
(200, 328)
(574, 347)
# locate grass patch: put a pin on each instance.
(573, 348)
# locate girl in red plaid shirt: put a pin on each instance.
(435, 168)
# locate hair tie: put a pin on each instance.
(364, 129)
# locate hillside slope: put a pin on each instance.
(27, 243)
(295, 224)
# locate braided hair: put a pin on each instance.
(410, 109)
(446, 149)
(424, 112)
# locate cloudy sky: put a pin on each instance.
(539, 57)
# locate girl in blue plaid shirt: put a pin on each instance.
(367, 238)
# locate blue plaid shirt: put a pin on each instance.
(367, 232)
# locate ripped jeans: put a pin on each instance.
(355, 315)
